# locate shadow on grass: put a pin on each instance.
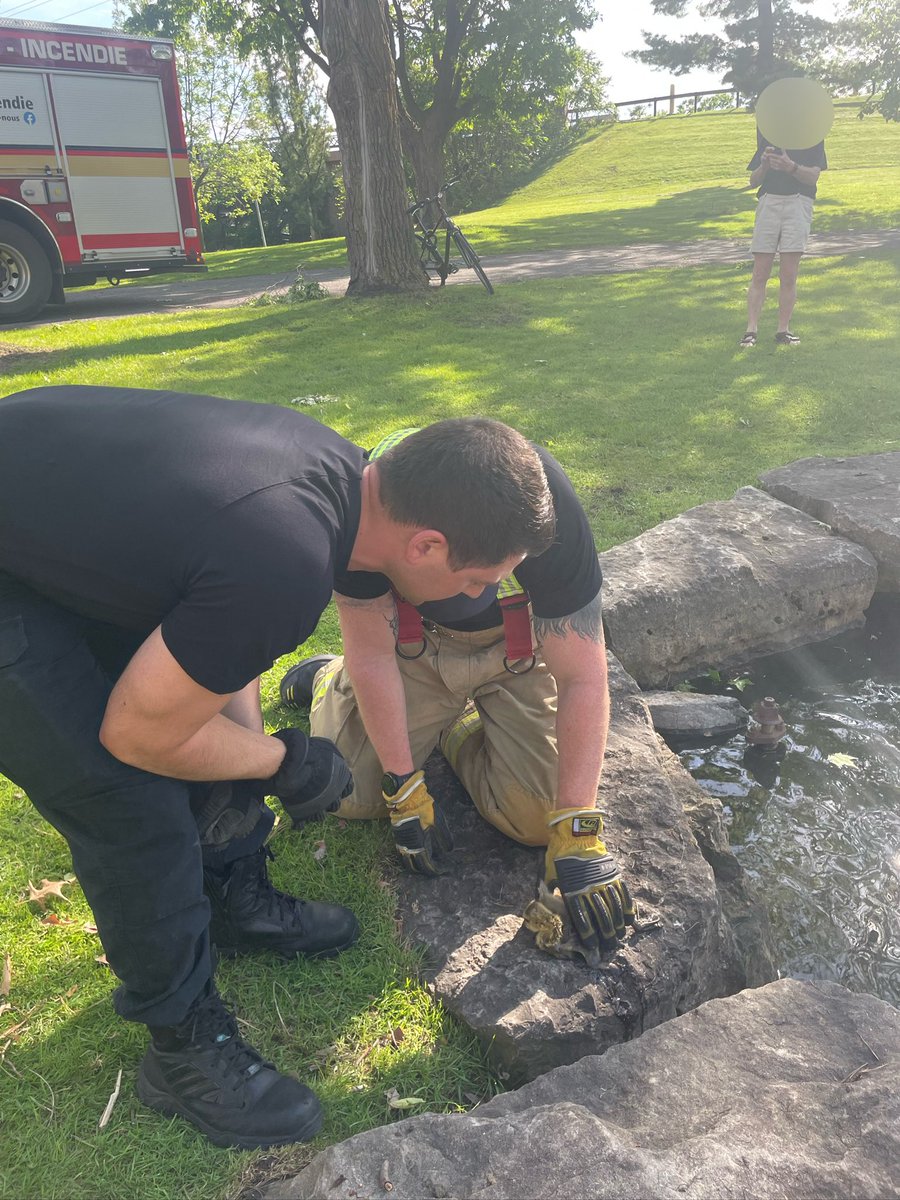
(680, 217)
(21, 358)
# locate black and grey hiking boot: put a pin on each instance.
(296, 686)
(249, 914)
(202, 1070)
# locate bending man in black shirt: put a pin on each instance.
(157, 553)
(510, 682)
(787, 187)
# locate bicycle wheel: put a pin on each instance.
(470, 258)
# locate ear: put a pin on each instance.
(426, 545)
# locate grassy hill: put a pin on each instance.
(682, 178)
(669, 179)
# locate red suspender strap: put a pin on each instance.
(517, 628)
(410, 638)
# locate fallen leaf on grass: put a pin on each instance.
(843, 760)
(4, 1008)
(49, 887)
(6, 978)
(396, 1101)
(320, 851)
(89, 927)
(102, 960)
(397, 1036)
(52, 918)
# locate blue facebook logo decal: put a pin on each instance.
(29, 118)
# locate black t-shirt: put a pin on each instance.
(783, 183)
(559, 582)
(223, 521)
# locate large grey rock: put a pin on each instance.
(692, 714)
(536, 1011)
(727, 582)
(858, 497)
(788, 1091)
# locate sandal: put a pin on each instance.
(786, 339)
(749, 339)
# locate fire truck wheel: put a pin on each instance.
(25, 274)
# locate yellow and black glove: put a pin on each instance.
(419, 828)
(578, 863)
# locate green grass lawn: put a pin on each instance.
(637, 385)
(665, 180)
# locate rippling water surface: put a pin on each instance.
(822, 836)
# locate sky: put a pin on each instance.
(617, 31)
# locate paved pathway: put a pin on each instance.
(226, 292)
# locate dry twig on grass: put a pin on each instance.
(111, 1102)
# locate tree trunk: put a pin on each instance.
(362, 96)
(424, 149)
(765, 62)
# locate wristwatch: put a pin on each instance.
(391, 783)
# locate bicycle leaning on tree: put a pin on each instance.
(433, 225)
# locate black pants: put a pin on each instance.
(134, 841)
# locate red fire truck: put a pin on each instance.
(94, 175)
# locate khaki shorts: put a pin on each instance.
(497, 730)
(782, 223)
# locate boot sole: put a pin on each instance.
(165, 1104)
(287, 955)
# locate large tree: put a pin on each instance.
(455, 60)
(354, 44)
(363, 100)
(761, 40)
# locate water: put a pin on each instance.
(821, 835)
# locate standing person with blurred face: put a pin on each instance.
(787, 182)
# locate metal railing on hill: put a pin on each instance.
(577, 116)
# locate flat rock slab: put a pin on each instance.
(687, 714)
(789, 1090)
(728, 582)
(536, 1011)
(858, 497)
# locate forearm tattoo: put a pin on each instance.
(587, 623)
(393, 620)
(380, 604)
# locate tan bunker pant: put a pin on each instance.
(497, 730)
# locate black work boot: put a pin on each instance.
(203, 1071)
(249, 914)
(296, 685)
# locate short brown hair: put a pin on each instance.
(478, 482)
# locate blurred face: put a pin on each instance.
(427, 575)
